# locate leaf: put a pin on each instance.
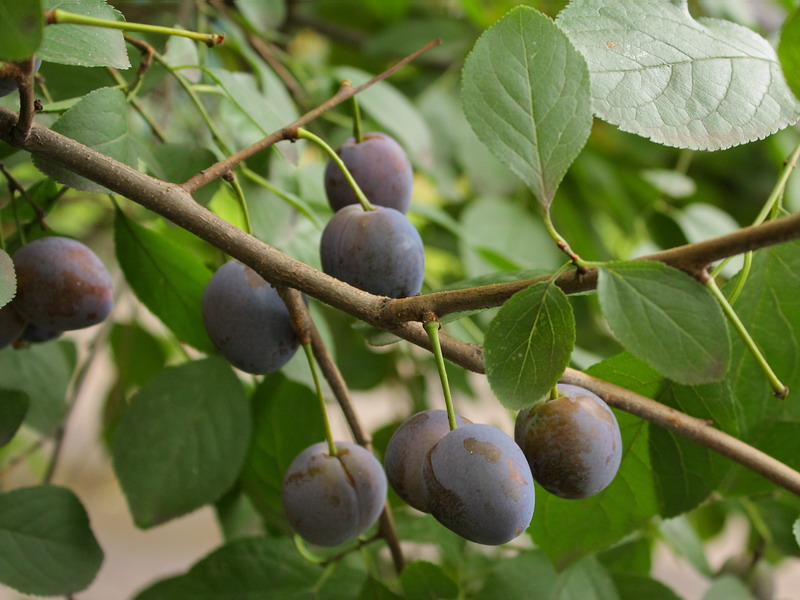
(585, 580)
(422, 580)
(263, 15)
(528, 345)
(526, 575)
(194, 158)
(82, 45)
(727, 587)
(286, 420)
(166, 278)
(21, 27)
(182, 441)
(525, 92)
(375, 590)
(796, 531)
(636, 587)
(46, 545)
(789, 51)
(13, 408)
(8, 279)
(138, 355)
(666, 318)
(42, 372)
(99, 121)
(704, 84)
(681, 536)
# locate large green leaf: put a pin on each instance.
(81, 45)
(21, 27)
(521, 577)
(585, 580)
(286, 420)
(46, 545)
(423, 580)
(789, 51)
(705, 84)
(528, 344)
(166, 278)
(526, 94)
(666, 318)
(13, 408)
(182, 441)
(99, 121)
(8, 278)
(637, 587)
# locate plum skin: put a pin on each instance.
(479, 484)
(380, 167)
(378, 251)
(573, 443)
(406, 452)
(61, 284)
(9, 84)
(247, 321)
(330, 500)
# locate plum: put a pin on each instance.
(61, 284)
(11, 325)
(378, 251)
(479, 485)
(247, 321)
(572, 443)
(36, 334)
(406, 453)
(330, 500)
(9, 84)
(380, 167)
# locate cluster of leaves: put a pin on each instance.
(185, 433)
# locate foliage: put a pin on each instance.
(552, 144)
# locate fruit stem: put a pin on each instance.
(326, 423)
(358, 133)
(287, 197)
(778, 387)
(554, 393)
(62, 17)
(307, 135)
(231, 178)
(432, 329)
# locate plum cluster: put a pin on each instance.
(572, 442)
(378, 251)
(61, 285)
(474, 479)
(247, 320)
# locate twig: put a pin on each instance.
(27, 108)
(14, 184)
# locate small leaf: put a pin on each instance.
(728, 587)
(789, 51)
(521, 577)
(46, 545)
(375, 590)
(99, 121)
(585, 580)
(422, 580)
(526, 94)
(13, 408)
(138, 355)
(528, 344)
(681, 536)
(636, 587)
(666, 318)
(21, 27)
(166, 278)
(82, 45)
(796, 531)
(182, 441)
(704, 84)
(8, 278)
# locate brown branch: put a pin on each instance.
(346, 91)
(26, 100)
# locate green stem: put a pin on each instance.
(358, 134)
(20, 228)
(432, 329)
(743, 274)
(777, 386)
(326, 423)
(288, 197)
(62, 17)
(239, 192)
(307, 135)
(554, 393)
(562, 243)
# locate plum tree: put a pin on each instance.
(380, 167)
(479, 485)
(8, 84)
(378, 251)
(61, 284)
(572, 442)
(406, 452)
(330, 500)
(246, 320)
(11, 325)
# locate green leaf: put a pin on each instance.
(796, 531)
(727, 587)
(666, 318)
(8, 279)
(99, 121)
(526, 575)
(194, 158)
(13, 408)
(81, 45)
(138, 355)
(585, 580)
(789, 51)
(166, 278)
(526, 94)
(636, 587)
(46, 545)
(286, 420)
(681, 536)
(704, 84)
(182, 441)
(528, 344)
(259, 568)
(42, 372)
(422, 580)
(375, 590)
(21, 27)
(263, 15)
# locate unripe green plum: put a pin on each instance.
(572, 443)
